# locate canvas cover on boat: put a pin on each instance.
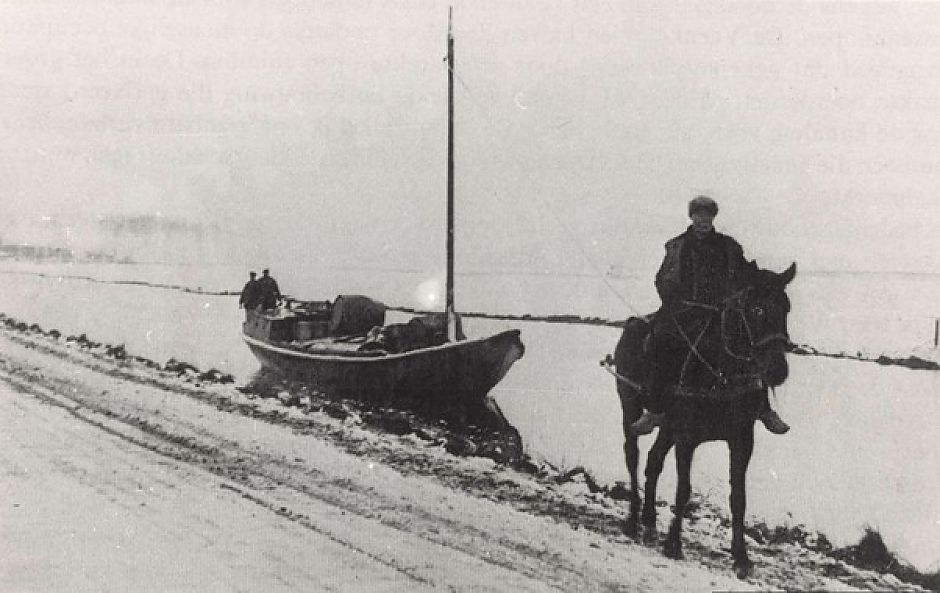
(355, 314)
(420, 332)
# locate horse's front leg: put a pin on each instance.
(740, 451)
(654, 467)
(684, 451)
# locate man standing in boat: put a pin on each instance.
(701, 267)
(268, 292)
(249, 297)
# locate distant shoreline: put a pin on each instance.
(910, 362)
(565, 318)
(608, 275)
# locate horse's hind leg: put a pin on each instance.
(740, 450)
(631, 452)
(673, 546)
(654, 467)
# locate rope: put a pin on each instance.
(529, 390)
(552, 211)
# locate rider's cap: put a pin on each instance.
(703, 204)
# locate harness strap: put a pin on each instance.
(693, 349)
(608, 366)
(749, 384)
(725, 393)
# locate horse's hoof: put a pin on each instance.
(743, 568)
(673, 550)
(650, 536)
(631, 528)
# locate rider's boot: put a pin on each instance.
(647, 422)
(773, 422)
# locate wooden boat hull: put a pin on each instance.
(451, 381)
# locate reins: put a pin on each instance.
(724, 335)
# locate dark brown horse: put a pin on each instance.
(735, 353)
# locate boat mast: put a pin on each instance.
(449, 307)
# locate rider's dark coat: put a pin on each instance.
(704, 270)
(697, 269)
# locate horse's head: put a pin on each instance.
(757, 318)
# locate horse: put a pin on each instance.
(735, 352)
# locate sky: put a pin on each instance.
(316, 131)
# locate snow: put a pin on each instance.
(178, 495)
(860, 452)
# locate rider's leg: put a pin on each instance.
(665, 366)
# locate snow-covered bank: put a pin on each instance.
(173, 410)
(566, 406)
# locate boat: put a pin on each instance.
(344, 348)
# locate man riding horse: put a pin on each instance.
(702, 267)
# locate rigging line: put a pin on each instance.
(559, 391)
(567, 232)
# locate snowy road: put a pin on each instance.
(96, 505)
(85, 510)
